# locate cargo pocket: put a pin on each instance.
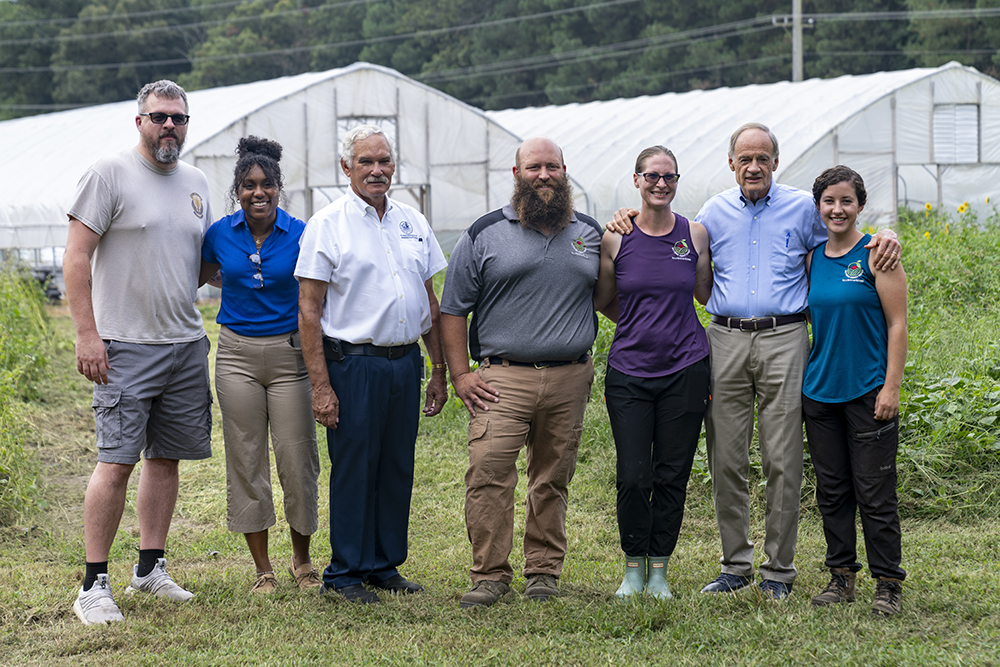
(480, 471)
(107, 416)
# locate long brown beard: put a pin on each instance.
(536, 213)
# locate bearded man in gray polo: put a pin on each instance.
(526, 273)
(131, 266)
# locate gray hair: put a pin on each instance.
(752, 126)
(163, 88)
(360, 133)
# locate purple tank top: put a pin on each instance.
(658, 329)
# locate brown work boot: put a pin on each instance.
(484, 593)
(888, 597)
(541, 587)
(840, 588)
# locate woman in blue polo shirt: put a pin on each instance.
(260, 377)
(851, 395)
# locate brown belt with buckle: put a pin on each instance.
(498, 361)
(758, 323)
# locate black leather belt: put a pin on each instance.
(498, 361)
(336, 350)
(369, 350)
(757, 323)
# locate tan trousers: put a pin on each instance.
(263, 384)
(767, 366)
(541, 410)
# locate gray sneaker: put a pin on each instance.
(541, 587)
(484, 593)
(159, 583)
(97, 606)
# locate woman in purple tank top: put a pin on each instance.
(657, 382)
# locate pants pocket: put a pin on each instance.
(107, 416)
(480, 445)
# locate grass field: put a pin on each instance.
(951, 547)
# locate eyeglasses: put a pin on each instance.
(257, 278)
(653, 178)
(161, 118)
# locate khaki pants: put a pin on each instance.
(542, 410)
(263, 385)
(767, 366)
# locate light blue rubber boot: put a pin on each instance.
(635, 578)
(656, 578)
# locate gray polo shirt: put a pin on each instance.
(531, 296)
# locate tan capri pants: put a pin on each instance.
(542, 410)
(262, 382)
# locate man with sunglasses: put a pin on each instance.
(131, 266)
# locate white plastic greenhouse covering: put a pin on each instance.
(453, 162)
(916, 136)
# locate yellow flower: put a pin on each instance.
(927, 235)
(928, 207)
(961, 208)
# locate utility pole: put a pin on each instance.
(796, 40)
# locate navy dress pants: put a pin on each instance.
(371, 474)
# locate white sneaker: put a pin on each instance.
(159, 583)
(97, 606)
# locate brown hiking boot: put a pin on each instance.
(483, 594)
(541, 587)
(840, 589)
(888, 597)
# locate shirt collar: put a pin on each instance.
(765, 200)
(362, 205)
(281, 220)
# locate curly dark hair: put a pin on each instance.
(840, 174)
(258, 151)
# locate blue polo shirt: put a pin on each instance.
(247, 308)
(759, 251)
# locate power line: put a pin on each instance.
(123, 15)
(373, 40)
(177, 27)
(582, 55)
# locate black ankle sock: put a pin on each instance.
(93, 569)
(147, 560)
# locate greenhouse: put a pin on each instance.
(916, 136)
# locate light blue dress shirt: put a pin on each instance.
(759, 251)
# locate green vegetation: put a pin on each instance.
(499, 54)
(22, 341)
(951, 537)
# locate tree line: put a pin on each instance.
(493, 54)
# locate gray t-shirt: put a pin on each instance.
(145, 268)
(531, 296)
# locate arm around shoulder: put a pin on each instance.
(606, 288)
(704, 279)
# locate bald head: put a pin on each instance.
(534, 147)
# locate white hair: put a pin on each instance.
(360, 133)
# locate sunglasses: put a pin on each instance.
(653, 178)
(257, 278)
(161, 118)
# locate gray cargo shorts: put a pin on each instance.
(157, 403)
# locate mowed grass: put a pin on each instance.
(951, 601)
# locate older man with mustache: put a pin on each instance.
(526, 272)
(365, 271)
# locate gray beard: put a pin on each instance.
(167, 154)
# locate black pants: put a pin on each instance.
(855, 460)
(656, 423)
